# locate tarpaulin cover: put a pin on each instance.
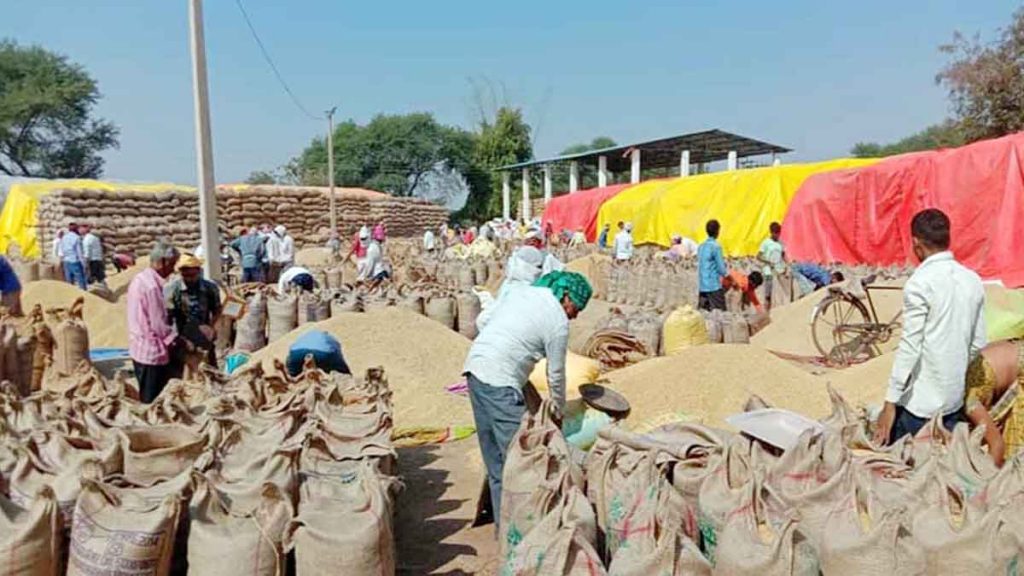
(18, 218)
(745, 202)
(863, 216)
(579, 209)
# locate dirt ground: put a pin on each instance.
(433, 514)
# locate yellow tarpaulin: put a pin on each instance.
(18, 219)
(745, 202)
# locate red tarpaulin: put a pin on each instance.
(863, 215)
(579, 209)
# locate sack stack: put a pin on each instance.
(217, 475)
(131, 221)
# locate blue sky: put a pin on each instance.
(814, 76)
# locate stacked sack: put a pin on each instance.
(131, 221)
(652, 282)
(687, 499)
(217, 476)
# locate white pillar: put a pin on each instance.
(506, 197)
(574, 176)
(526, 195)
(547, 184)
(684, 163)
(634, 166)
(602, 171)
(732, 160)
(776, 161)
(209, 237)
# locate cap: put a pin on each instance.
(189, 261)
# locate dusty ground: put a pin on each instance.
(433, 514)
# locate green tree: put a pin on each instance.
(945, 135)
(258, 177)
(391, 154)
(46, 124)
(501, 141)
(587, 172)
(986, 82)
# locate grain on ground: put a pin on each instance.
(420, 357)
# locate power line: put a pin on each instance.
(270, 62)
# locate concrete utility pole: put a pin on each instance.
(204, 146)
(330, 166)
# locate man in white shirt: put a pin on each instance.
(297, 277)
(73, 258)
(93, 249)
(943, 330)
(429, 242)
(377, 268)
(773, 255)
(624, 243)
(535, 238)
(280, 252)
(530, 324)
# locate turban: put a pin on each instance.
(572, 284)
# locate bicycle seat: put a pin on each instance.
(868, 280)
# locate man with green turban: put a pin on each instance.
(527, 325)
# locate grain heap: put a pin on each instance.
(108, 324)
(421, 357)
(216, 476)
(130, 221)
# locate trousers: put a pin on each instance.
(908, 424)
(152, 379)
(711, 300)
(497, 413)
(74, 273)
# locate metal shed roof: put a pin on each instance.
(707, 146)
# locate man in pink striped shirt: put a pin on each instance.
(152, 337)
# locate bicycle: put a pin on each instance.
(845, 331)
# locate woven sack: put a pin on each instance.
(722, 492)
(735, 329)
(224, 539)
(282, 315)
(561, 544)
(155, 453)
(344, 525)
(761, 538)
(441, 308)
(714, 324)
(107, 532)
(467, 309)
(30, 537)
(313, 308)
(683, 329)
(250, 329)
(71, 340)
(538, 452)
(863, 538)
(480, 273)
(782, 289)
(959, 538)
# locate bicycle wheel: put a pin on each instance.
(837, 325)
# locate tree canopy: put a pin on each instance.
(46, 108)
(945, 135)
(503, 140)
(391, 153)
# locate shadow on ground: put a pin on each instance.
(434, 513)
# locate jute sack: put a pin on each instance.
(468, 308)
(344, 525)
(537, 452)
(721, 493)
(863, 538)
(31, 538)
(464, 276)
(735, 329)
(30, 475)
(714, 324)
(561, 544)
(782, 288)
(282, 315)
(226, 540)
(661, 547)
(155, 453)
(529, 513)
(441, 308)
(763, 538)
(71, 340)
(250, 329)
(966, 463)
(107, 534)
(959, 538)
(313, 308)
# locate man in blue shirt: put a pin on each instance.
(602, 240)
(251, 250)
(73, 257)
(710, 270)
(818, 275)
(10, 288)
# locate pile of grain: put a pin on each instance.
(790, 329)
(131, 221)
(420, 356)
(864, 384)
(711, 383)
(108, 322)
